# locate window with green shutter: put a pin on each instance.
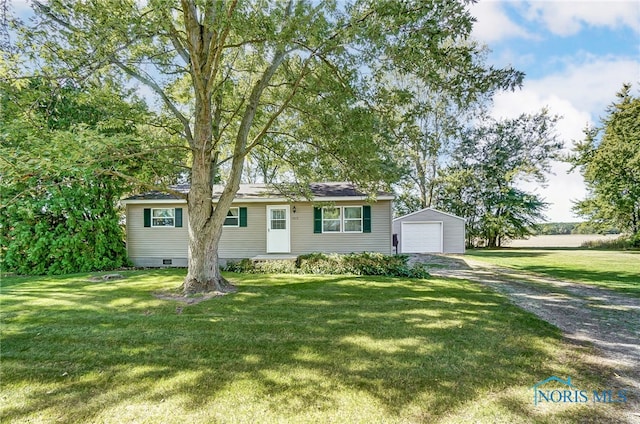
(366, 219)
(236, 217)
(317, 220)
(342, 219)
(243, 217)
(147, 217)
(162, 217)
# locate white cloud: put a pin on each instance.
(569, 17)
(580, 93)
(493, 24)
(20, 7)
(560, 17)
(580, 88)
(562, 190)
(591, 84)
(530, 100)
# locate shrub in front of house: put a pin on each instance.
(276, 267)
(245, 266)
(319, 263)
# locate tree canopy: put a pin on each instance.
(297, 80)
(482, 184)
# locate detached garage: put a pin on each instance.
(429, 231)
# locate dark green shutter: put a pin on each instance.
(243, 217)
(366, 219)
(178, 217)
(317, 220)
(147, 217)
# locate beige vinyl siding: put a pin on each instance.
(149, 246)
(303, 239)
(249, 241)
(453, 236)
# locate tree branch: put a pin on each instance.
(214, 55)
(244, 43)
(155, 187)
(256, 140)
(174, 36)
(155, 87)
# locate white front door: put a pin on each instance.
(278, 233)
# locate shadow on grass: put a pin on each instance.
(297, 343)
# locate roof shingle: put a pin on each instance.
(263, 191)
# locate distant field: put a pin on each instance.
(560, 240)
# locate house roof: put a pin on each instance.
(329, 191)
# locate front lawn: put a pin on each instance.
(614, 270)
(285, 348)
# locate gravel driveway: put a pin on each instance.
(605, 319)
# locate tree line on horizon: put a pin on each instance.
(563, 228)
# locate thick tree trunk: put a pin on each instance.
(205, 221)
(204, 271)
(205, 230)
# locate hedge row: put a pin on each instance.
(320, 263)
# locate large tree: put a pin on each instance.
(482, 184)
(609, 159)
(238, 76)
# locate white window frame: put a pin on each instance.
(237, 217)
(282, 220)
(342, 220)
(345, 219)
(339, 219)
(173, 218)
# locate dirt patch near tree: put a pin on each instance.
(587, 315)
(188, 300)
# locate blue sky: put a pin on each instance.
(576, 55)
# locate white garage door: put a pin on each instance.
(421, 237)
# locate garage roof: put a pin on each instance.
(428, 209)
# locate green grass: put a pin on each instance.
(283, 349)
(614, 270)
